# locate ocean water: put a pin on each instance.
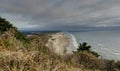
(106, 43)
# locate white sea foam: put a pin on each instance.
(73, 45)
(74, 41)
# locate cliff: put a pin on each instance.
(58, 43)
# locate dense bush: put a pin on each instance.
(4, 25)
(85, 47)
(18, 35)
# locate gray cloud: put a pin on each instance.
(54, 13)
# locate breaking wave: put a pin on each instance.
(73, 45)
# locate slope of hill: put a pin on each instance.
(19, 52)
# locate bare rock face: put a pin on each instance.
(58, 43)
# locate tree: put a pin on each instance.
(84, 47)
(4, 25)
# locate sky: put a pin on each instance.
(61, 14)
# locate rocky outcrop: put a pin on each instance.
(58, 43)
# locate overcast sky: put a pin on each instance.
(61, 14)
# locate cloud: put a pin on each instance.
(46, 14)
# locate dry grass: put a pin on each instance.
(15, 57)
(32, 61)
(34, 56)
(85, 60)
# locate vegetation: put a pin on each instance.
(117, 65)
(87, 60)
(84, 47)
(6, 42)
(4, 25)
(21, 36)
(14, 56)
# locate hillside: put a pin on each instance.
(19, 52)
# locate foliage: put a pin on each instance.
(85, 47)
(86, 59)
(4, 25)
(18, 35)
(109, 65)
(94, 53)
(6, 42)
(117, 65)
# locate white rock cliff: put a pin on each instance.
(58, 43)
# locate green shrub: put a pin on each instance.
(85, 47)
(4, 25)
(95, 53)
(18, 35)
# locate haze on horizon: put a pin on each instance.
(61, 14)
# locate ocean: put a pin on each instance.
(106, 43)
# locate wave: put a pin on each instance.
(73, 44)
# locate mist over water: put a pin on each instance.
(106, 43)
